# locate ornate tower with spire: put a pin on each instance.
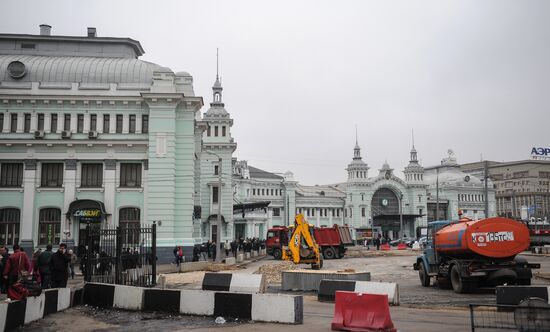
(355, 211)
(357, 169)
(414, 172)
(217, 143)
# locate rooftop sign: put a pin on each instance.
(540, 153)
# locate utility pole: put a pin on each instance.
(219, 216)
(401, 217)
(486, 177)
(437, 194)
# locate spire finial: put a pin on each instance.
(413, 137)
(217, 63)
(356, 140)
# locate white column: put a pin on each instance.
(86, 123)
(73, 122)
(7, 121)
(34, 122)
(47, 122)
(318, 217)
(109, 182)
(145, 182)
(125, 123)
(330, 212)
(20, 122)
(69, 185)
(112, 123)
(28, 220)
(99, 123)
(138, 123)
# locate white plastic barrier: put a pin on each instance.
(197, 302)
(371, 287)
(277, 308)
(128, 297)
(248, 283)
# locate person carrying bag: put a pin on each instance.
(15, 271)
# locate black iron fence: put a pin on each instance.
(529, 318)
(121, 255)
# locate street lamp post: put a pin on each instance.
(219, 216)
(437, 194)
(401, 217)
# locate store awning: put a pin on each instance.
(245, 207)
(86, 208)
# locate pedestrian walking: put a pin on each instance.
(213, 251)
(204, 252)
(72, 262)
(17, 266)
(59, 266)
(44, 266)
(176, 259)
(180, 255)
(226, 246)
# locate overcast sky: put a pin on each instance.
(472, 76)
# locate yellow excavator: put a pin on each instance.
(301, 247)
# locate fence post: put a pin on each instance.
(118, 250)
(472, 317)
(154, 254)
(88, 268)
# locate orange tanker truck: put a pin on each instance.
(469, 253)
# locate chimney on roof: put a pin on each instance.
(92, 32)
(45, 30)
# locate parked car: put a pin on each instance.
(422, 242)
(408, 241)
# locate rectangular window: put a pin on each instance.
(215, 195)
(271, 192)
(216, 170)
(216, 131)
(276, 212)
(106, 123)
(40, 125)
(9, 226)
(130, 175)
(253, 192)
(313, 212)
(27, 127)
(49, 229)
(67, 124)
(1, 122)
(52, 175)
(92, 175)
(132, 124)
(93, 122)
(11, 174)
(145, 124)
(13, 125)
(208, 131)
(119, 123)
(223, 130)
(362, 212)
(80, 123)
(53, 123)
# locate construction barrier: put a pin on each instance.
(402, 246)
(14, 314)
(328, 289)
(385, 247)
(272, 308)
(307, 280)
(361, 312)
(513, 295)
(230, 260)
(237, 282)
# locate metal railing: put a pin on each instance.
(531, 318)
(121, 255)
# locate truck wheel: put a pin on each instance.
(459, 284)
(444, 283)
(277, 254)
(423, 274)
(329, 253)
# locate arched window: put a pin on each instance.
(49, 226)
(129, 223)
(9, 226)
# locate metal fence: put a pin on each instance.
(533, 318)
(121, 255)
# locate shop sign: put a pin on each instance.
(88, 213)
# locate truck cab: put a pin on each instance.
(277, 237)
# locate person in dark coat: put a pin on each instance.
(59, 267)
(196, 253)
(3, 261)
(44, 266)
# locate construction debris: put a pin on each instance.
(272, 272)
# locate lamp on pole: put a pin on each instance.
(401, 216)
(437, 194)
(219, 216)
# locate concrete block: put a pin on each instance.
(254, 253)
(3, 314)
(236, 305)
(99, 295)
(163, 300)
(15, 315)
(230, 260)
(513, 295)
(307, 280)
(51, 297)
(128, 297)
(63, 299)
(328, 288)
(197, 302)
(35, 308)
(246, 255)
(240, 258)
(248, 283)
(216, 281)
(277, 308)
(390, 289)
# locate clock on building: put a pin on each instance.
(384, 202)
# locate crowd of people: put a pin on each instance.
(47, 269)
(209, 250)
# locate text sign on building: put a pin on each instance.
(540, 153)
(88, 213)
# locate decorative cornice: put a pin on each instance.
(70, 164)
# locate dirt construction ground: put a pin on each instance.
(422, 308)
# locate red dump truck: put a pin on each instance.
(331, 240)
(469, 253)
